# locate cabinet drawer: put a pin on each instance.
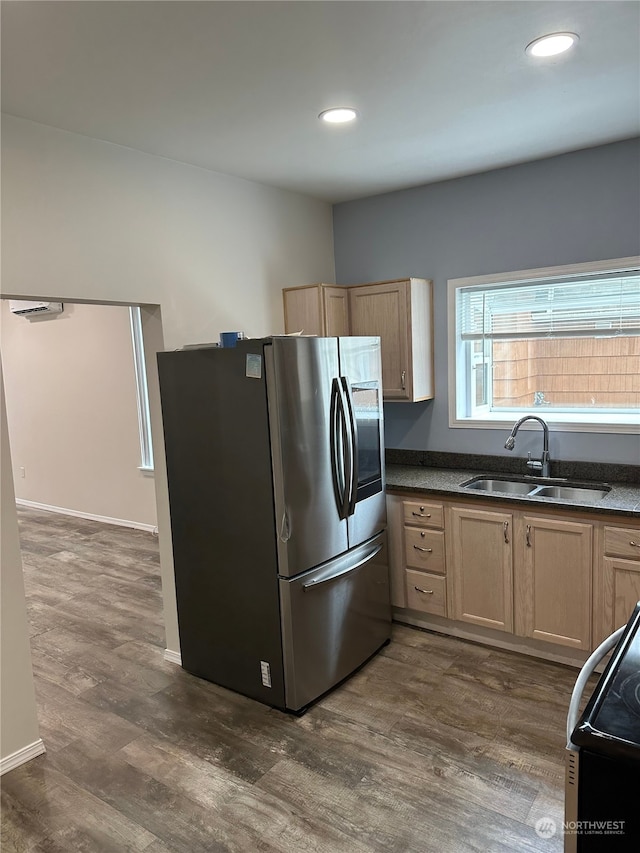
(426, 592)
(622, 542)
(423, 514)
(424, 549)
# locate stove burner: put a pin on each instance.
(630, 693)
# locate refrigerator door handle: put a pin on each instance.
(347, 450)
(353, 448)
(342, 572)
(338, 440)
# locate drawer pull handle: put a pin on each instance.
(421, 515)
(635, 544)
(402, 380)
(428, 550)
(426, 591)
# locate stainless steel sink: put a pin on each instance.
(579, 494)
(509, 487)
(535, 488)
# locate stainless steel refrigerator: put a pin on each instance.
(275, 465)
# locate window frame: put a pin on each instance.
(142, 391)
(562, 421)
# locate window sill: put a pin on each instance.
(623, 424)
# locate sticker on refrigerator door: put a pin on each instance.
(254, 366)
(265, 671)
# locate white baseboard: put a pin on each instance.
(120, 522)
(173, 657)
(21, 756)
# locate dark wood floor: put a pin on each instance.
(436, 746)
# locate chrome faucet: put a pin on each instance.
(542, 465)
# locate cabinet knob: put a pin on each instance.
(635, 544)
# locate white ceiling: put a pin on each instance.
(443, 88)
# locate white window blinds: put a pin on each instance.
(593, 307)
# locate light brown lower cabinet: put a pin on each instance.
(621, 588)
(482, 567)
(617, 579)
(553, 581)
(553, 577)
(523, 574)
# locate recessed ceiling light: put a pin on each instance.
(552, 44)
(338, 115)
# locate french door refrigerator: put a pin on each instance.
(275, 466)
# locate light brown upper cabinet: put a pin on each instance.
(318, 309)
(399, 312)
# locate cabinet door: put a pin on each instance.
(336, 311)
(383, 309)
(303, 311)
(482, 570)
(316, 309)
(620, 591)
(553, 581)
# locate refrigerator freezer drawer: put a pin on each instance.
(333, 619)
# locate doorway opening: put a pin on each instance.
(95, 545)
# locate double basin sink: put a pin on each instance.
(530, 487)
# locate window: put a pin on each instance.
(144, 418)
(563, 343)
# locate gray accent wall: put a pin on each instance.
(578, 207)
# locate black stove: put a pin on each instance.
(610, 724)
(608, 740)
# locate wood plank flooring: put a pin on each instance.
(436, 746)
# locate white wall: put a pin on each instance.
(88, 220)
(85, 220)
(72, 411)
(18, 722)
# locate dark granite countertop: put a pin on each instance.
(402, 475)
